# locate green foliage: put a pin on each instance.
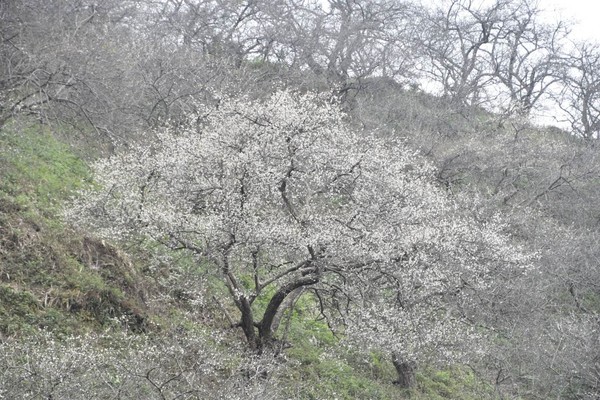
(21, 313)
(53, 278)
(15, 307)
(451, 383)
(39, 172)
(332, 378)
(325, 369)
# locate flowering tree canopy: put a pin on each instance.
(283, 195)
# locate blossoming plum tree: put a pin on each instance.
(284, 197)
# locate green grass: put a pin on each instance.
(39, 172)
(457, 383)
(53, 277)
(326, 369)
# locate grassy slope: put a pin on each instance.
(64, 282)
(50, 276)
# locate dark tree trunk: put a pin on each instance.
(406, 371)
(247, 323)
(265, 327)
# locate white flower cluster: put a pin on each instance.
(126, 366)
(260, 187)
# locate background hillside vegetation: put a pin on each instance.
(259, 199)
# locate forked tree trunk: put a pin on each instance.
(271, 317)
(406, 371)
(265, 327)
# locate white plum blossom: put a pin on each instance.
(286, 192)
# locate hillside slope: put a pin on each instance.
(95, 320)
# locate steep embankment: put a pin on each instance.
(50, 276)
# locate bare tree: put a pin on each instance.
(456, 40)
(218, 28)
(344, 41)
(525, 58)
(66, 60)
(580, 95)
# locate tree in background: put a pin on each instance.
(455, 38)
(525, 58)
(53, 60)
(580, 97)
